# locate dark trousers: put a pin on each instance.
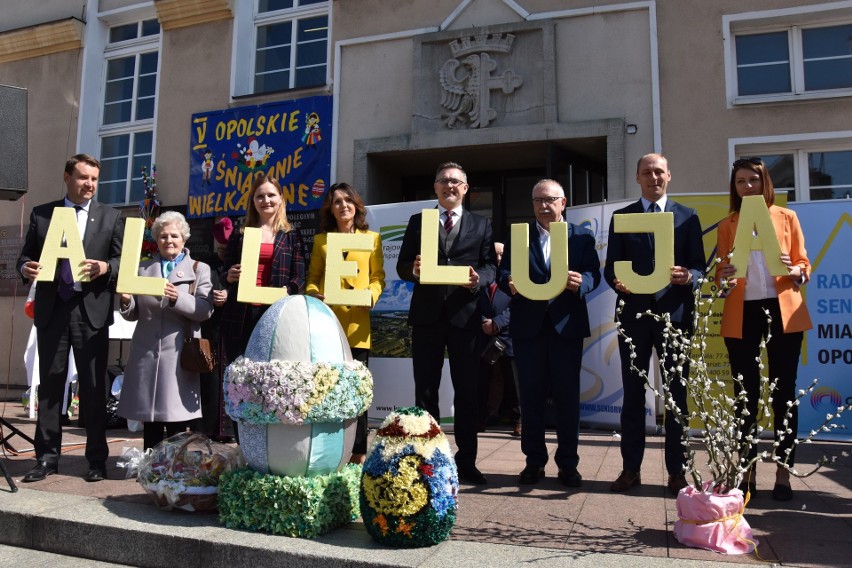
(549, 364)
(428, 344)
(782, 352)
(69, 329)
(647, 334)
(498, 388)
(361, 428)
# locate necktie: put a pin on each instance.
(652, 208)
(448, 222)
(170, 265)
(66, 277)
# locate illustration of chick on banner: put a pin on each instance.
(285, 140)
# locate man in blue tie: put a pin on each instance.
(653, 176)
(74, 315)
(547, 336)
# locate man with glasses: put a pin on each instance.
(547, 336)
(653, 176)
(443, 316)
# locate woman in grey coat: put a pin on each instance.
(156, 390)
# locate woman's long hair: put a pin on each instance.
(279, 222)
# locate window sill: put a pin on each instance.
(789, 97)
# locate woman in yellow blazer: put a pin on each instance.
(343, 211)
(744, 321)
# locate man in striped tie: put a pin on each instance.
(448, 317)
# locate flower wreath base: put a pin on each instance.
(302, 507)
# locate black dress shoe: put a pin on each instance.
(570, 477)
(472, 475)
(40, 471)
(95, 473)
(531, 475)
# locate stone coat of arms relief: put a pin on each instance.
(468, 79)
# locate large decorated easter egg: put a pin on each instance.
(297, 392)
(409, 484)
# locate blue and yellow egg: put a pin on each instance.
(409, 484)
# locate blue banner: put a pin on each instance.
(827, 350)
(289, 140)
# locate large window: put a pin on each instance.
(801, 52)
(289, 40)
(794, 61)
(808, 173)
(126, 133)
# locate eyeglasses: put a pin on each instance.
(545, 200)
(743, 161)
(450, 181)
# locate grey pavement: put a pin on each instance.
(64, 521)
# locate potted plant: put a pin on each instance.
(710, 509)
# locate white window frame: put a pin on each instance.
(97, 52)
(800, 145)
(247, 20)
(793, 21)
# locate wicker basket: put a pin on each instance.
(196, 499)
(189, 500)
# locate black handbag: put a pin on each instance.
(197, 354)
(493, 350)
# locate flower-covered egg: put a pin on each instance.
(297, 392)
(409, 483)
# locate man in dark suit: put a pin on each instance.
(74, 315)
(547, 336)
(676, 299)
(448, 317)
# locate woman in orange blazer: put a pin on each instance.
(343, 211)
(744, 321)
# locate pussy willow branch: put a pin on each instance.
(720, 415)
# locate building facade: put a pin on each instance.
(515, 90)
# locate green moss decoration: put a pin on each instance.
(303, 507)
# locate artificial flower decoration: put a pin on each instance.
(149, 209)
(409, 486)
(296, 394)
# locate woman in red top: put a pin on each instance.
(281, 263)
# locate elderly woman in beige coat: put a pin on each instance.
(156, 390)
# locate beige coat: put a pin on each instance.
(156, 388)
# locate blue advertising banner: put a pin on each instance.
(827, 350)
(289, 140)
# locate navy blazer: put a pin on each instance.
(568, 309)
(474, 246)
(103, 240)
(677, 300)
